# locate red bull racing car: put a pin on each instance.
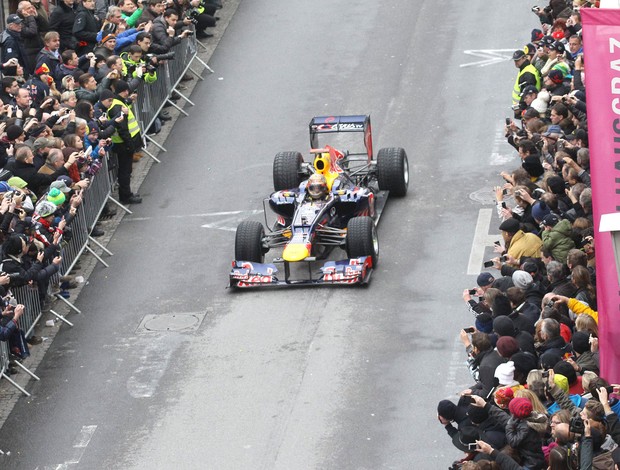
(334, 202)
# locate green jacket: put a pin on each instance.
(558, 240)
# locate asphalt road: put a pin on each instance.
(168, 369)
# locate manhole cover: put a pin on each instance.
(171, 322)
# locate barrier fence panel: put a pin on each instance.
(154, 96)
(97, 195)
(28, 295)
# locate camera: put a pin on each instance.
(472, 291)
(536, 9)
(508, 121)
(160, 57)
(504, 205)
(545, 374)
(193, 15)
(190, 33)
(576, 425)
(550, 304)
(488, 264)
(471, 329)
(503, 258)
(472, 446)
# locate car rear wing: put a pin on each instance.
(332, 124)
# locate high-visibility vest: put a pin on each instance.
(516, 92)
(132, 123)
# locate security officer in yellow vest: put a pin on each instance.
(528, 76)
(126, 140)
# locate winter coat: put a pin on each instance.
(85, 30)
(19, 273)
(589, 361)
(589, 460)
(523, 435)
(12, 47)
(62, 19)
(159, 33)
(558, 240)
(580, 308)
(48, 58)
(524, 244)
(32, 29)
(492, 433)
(488, 364)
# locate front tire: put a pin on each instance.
(393, 171)
(287, 170)
(362, 239)
(249, 242)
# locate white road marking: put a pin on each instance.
(482, 239)
(81, 442)
(490, 56)
(79, 447)
(497, 157)
(185, 216)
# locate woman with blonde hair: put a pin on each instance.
(536, 403)
(586, 323)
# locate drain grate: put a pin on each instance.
(179, 322)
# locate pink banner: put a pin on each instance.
(601, 33)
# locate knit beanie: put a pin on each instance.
(540, 210)
(524, 362)
(446, 409)
(484, 323)
(561, 381)
(504, 326)
(565, 369)
(56, 196)
(507, 346)
(520, 407)
(505, 373)
(581, 342)
(521, 279)
(13, 132)
(503, 396)
(477, 414)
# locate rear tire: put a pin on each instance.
(393, 171)
(249, 242)
(362, 239)
(287, 170)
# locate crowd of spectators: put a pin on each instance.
(70, 72)
(537, 399)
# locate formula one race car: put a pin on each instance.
(334, 202)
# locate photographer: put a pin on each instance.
(137, 67)
(197, 12)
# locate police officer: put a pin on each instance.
(528, 75)
(126, 140)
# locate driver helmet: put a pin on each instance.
(317, 186)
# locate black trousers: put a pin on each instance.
(124, 155)
(204, 21)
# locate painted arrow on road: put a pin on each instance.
(490, 56)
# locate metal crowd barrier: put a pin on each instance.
(154, 96)
(94, 200)
(150, 102)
